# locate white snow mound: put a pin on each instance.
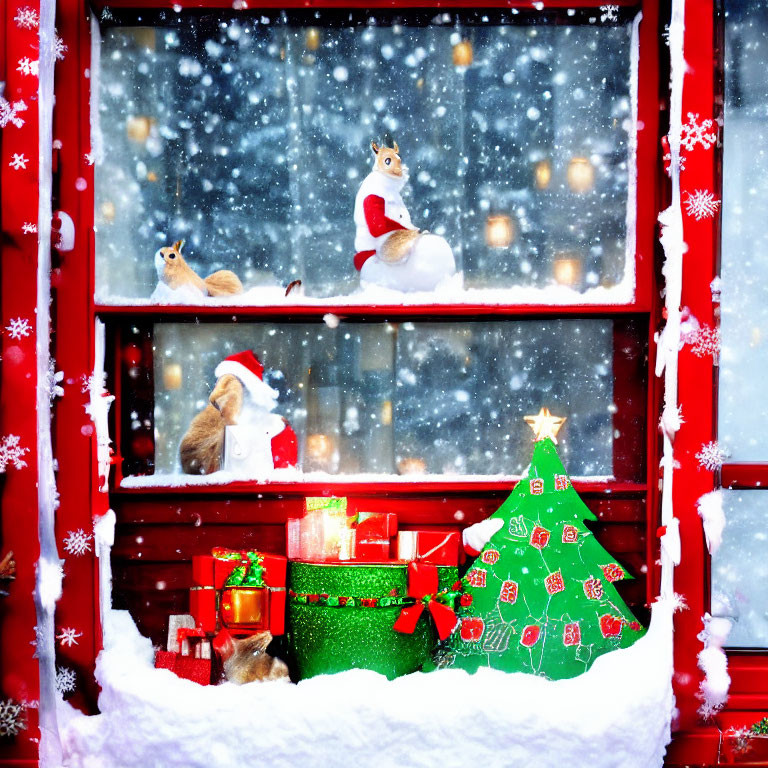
(617, 715)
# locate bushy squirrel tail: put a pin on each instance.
(223, 283)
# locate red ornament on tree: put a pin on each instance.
(508, 592)
(610, 626)
(539, 537)
(476, 577)
(561, 482)
(537, 486)
(593, 589)
(570, 534)
(472, 629)
(571, 634)
(530, 635)
(613, 572)
(554, 583)
(490, 556)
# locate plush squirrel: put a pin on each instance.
(250, 661)
(237, 431)
(174, 271)
(391, 252)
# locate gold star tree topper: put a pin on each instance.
(544, 424)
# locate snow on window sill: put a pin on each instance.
(274, 296)
(616, 714)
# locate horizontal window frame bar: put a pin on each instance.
(744, 475)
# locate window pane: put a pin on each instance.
(743, 425)
(740, 568)
(384, 398)
(250, 139)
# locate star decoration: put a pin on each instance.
(544, 424)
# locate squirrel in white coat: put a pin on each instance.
(391, 251)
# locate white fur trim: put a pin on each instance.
(261, 394)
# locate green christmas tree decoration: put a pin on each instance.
(540, 597)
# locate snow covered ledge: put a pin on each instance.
(617, 715)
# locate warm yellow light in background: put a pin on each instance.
(499, 231)
(581, 175)
(172, 376)
(319, 447)
(412, 466)
(108, 211)
(463, 54)
(312, 39)
(386, 413)
(542, 174)
(138, 127)
(567, 269)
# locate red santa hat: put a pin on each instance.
(248, 368)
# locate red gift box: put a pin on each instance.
(372, 551)
(376, 526)
(202, 570)
(202, 605)
(186, 667)
(434, 547)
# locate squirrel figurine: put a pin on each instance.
(236, 431)
(391, 251)
(174, 271)
(250, 661)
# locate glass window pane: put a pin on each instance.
(424, 398)
(743, 423)
(251, 138)
(740, 568)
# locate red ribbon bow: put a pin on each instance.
(423, 585)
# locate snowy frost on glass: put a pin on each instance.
(249, 138)
(740, 569)
(408, 398)
(743, 419)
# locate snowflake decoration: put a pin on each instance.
(609, 13)
(28, 66)
(19, 162)
(28, 228)
(665, 35)
(77, 542)
(19, 328)
(65, 680)
(12, 720)
(11, 453)
(27, 18)
(701, 204)
(68, 636)
(52, 381)
(59, 49)
(706, 341)
(711, 456)
(741, 740)
(695, 132)
(90, 158)
(9, 113)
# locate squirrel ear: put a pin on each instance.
(396, 148)
(178, 245)
(375, 148)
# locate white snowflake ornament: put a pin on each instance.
(19, 162)
(28, 228)
(65, 680)
(12, 720)
(59, 49)
(695, 132)
(711, 456)
(11, 453)
(77, 542)
(27, 18)
(18, 328)
(701, 204)
(609, 13)
(68, 636)
(28, 66)
(9, 113)
(706, 341)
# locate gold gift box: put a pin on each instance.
(245, 607)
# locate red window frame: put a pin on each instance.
(263, 509)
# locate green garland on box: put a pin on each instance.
(446, 597)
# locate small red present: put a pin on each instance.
(202, 605)
(187, 667)
(433, 547)
(372, 551)
(471, 629)
(376, 526)
(202, 570)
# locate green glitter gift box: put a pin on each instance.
(341, 616)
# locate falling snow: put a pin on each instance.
(68, 636)
(65, 680)
(711, 456)
(19, 162)
(609, 13)
(11, 453)
(28, 66)
(695, 132)
(18, 328)
(705, 341)
(28, 228)
(12, 720)
(701, 204)
(77, 542)
(27, 18)
(9, 113)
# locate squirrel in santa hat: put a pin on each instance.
(237, 431)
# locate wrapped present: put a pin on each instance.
(435, 547)
(202, 605)
(342, 616)
(252, 596)
(372, 551)
(189, 650)
(323, 533)
(376, 526)
(197, 670)
(203, 570)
